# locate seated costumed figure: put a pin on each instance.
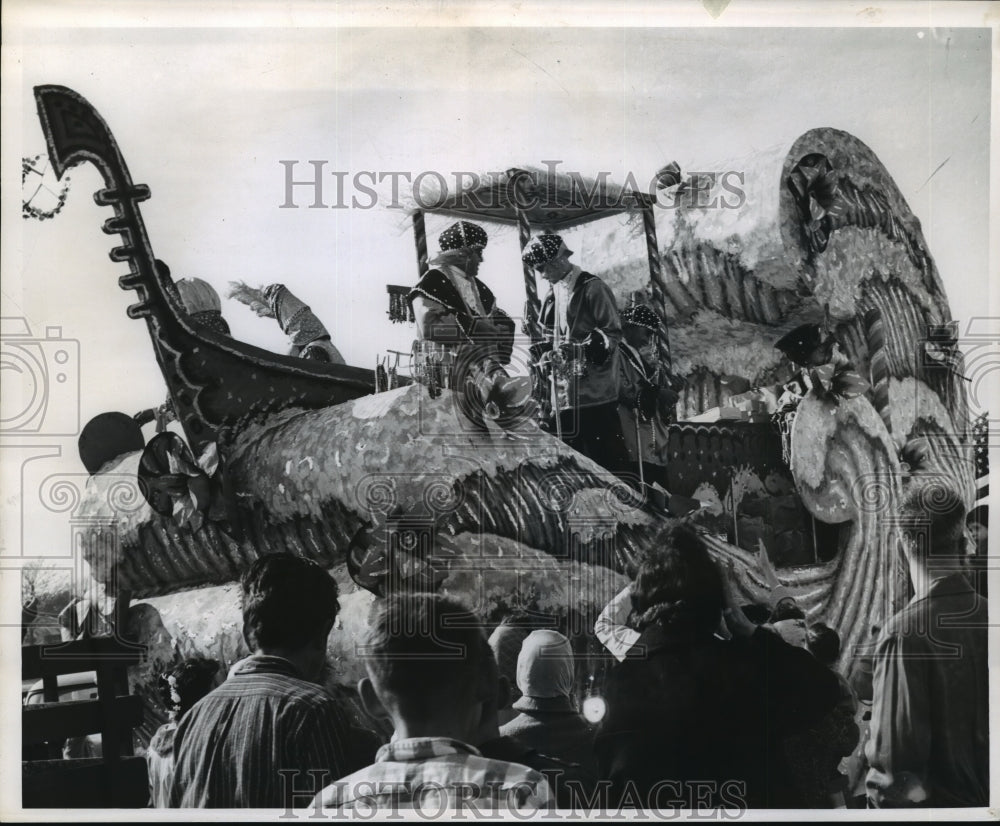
(464, 339)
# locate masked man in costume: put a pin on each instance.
(581, 332)
(309, 338)
(647, 399)
(460, 329)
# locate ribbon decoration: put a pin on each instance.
(837, 382)
(176, 484)
(394, 557)
(815, 190)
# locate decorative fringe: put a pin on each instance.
(400, 309)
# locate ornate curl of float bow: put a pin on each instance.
(214, 381)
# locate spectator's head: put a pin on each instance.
(497, 698)
(679, 587)
(545, 673)
(289, 606)
(823, 643)
(186, 683)
(979, 534)
(932, 522)
(505, 642)
(425, 655)
(786, 608)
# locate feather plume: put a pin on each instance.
(245, 294)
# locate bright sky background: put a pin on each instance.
(204, 114)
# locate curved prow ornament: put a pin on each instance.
(215, 382)
(74, 133)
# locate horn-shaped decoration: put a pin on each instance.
(215, 382)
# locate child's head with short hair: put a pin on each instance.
(426, 659)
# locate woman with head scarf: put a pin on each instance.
(694, 719)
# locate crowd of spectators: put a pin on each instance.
(709, 703)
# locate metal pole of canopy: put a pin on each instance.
(517, 193)
(420, 239)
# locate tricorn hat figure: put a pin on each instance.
(807, 346)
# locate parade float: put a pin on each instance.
(398, 488)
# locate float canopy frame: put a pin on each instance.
(545, 200)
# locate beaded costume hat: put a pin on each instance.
(641, 315)
(462, 234)
(542, 249)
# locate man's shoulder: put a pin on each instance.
(287, 689)
(518, 724)
(433, 278)
(433, 281)
(594, 287)
(342, 791)
(587, 280)
(915, 623)
(507, 773)
(311, 698)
